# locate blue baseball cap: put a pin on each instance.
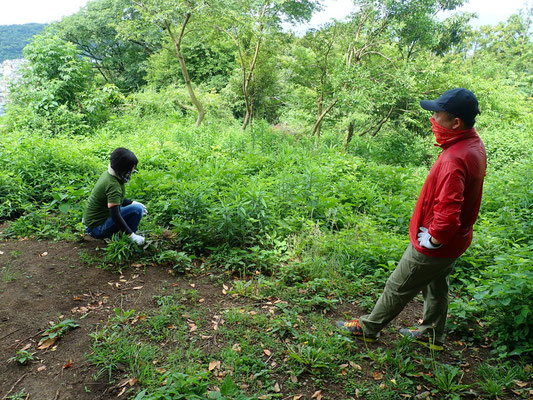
(460, 102)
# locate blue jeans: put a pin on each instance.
(131, 214)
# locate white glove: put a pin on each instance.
(145, 210)
(424, 238)
(137, 239)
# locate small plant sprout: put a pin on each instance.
(23, 357)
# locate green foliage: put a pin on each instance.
(22, 357)
(56, 93)
(447, 379)
(21, 395)
(494, 380)
(59, 329)
(95, 31)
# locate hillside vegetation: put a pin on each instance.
(291, 164)
(13, 38)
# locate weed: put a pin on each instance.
(308, 357)
(177, 260)
(446, 378)
(8, 273)
(22, 357)
(22, 395)
(59, 329)
(495, 379)
(120, 249)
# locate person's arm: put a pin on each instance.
(448, 205)
(125, 202)
(114, 210)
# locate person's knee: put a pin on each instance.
(137, 209)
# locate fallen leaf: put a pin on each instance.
(47, 343)
(297, 397)
(123, 382)
(356, 366)
(1, 252)
(26, 347)
(264, 397)
(41, 368)
(236, 347)
(68, 364)
(192, 328)
(137, 287)
(121, 392)
(43, 254)
(357, 393)
(267, 352)
(294, 379)
(520, 383)
(161, 370)
(317, 395)
(343, 366)
(377, 375)
(201, 300)
(213, 365)
(393, 381)
(277, 389)
(225, 287)
(193, 285)
(172, 326)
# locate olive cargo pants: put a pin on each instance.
(414, 273)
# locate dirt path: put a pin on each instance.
(41, 282)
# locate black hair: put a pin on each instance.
(468, 123)
(123, 160)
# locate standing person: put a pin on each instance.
(107, 210)
(441, 226)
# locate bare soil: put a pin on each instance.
(42, 282)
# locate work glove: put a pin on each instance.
(424, 239)
(137, 239)
(145, 210)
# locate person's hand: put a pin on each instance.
(145, 210)
(424, 238)
(137, 239)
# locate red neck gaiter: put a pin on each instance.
(446, 137)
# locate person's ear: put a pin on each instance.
(457, 123)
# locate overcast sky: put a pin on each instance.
(44, 11)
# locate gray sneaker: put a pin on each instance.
(422, 338)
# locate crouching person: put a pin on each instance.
(107, 210)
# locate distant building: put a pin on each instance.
(9, 72)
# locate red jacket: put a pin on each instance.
(448, 204)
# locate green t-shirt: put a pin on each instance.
(108, 189)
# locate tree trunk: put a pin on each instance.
(321, 117)
(188, 84)
(350, 135)
(248, 78)
(319, 109)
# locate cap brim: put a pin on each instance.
(430, 105)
